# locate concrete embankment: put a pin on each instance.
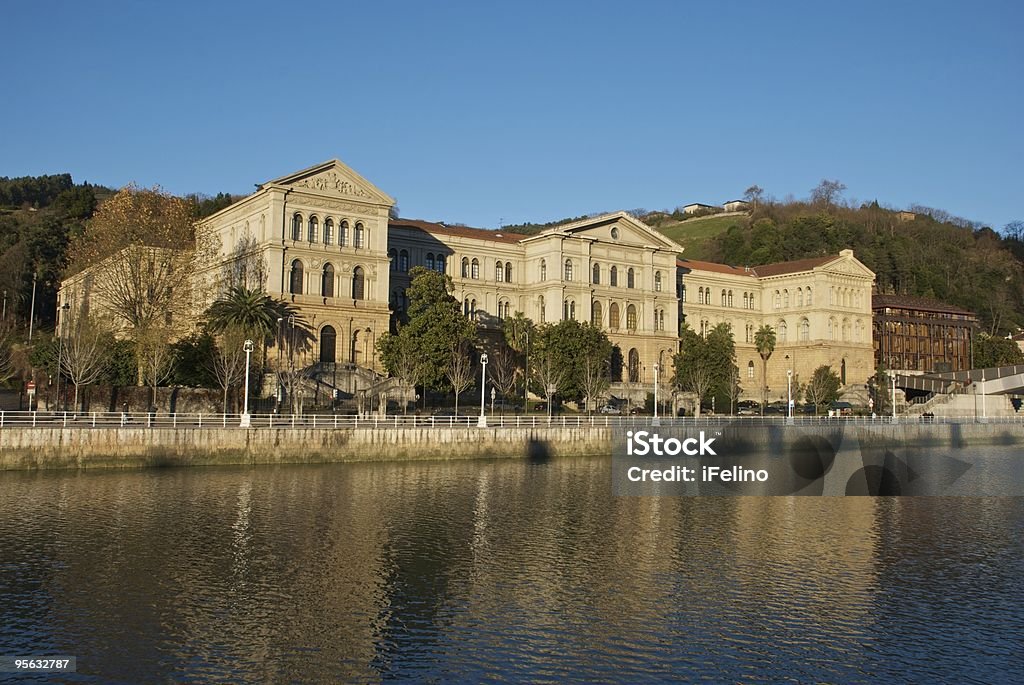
(24, 448)
(133, 447)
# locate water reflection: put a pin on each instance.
(502, 570)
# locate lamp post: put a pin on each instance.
(656, 421)
(246, 419)
(894, 398)
(482, 421)
(493, 394)
(526, 375)
(789, 393)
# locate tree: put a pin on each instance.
(733, 389)
(505, 370)
(517, 331)
(400, 356)
(823, 388)
(705, 364)
(992, 350)
(827, 192)
(565, 347)
(594, 380)
(435, 327)
(155, 357)
(86, 349)
(764, 342)
(140, 252)
(460, 370)
(549, 375)
(753, 195)
(227, 363)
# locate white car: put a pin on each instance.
(609, 409)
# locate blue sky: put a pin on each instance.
(479, 112)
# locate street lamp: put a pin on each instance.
(482, 422)
(789, 393)
(493, 393)
(656, 421)
(894, 397)
(246, 419)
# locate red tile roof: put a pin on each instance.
(696, 265)
(796, 266)
(457, 231)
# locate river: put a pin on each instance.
(497, 571)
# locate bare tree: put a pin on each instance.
(153, 350)
(550, 377)
(754, 195)
(460, 371)
(408, 368)
(827, 192)
(733, 389)
(86, 349)
(699, 380)
(595, 380)
(245, 266)
(8, 368)
(228, 362)
(505, 371)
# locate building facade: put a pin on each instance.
(920, 335)
(820, 310)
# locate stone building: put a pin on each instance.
(820, 310)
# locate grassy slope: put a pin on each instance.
(693, 234)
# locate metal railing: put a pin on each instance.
(90, 420)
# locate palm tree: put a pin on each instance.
(764, 341)
(260, 317)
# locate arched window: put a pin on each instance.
(474, 269)
(750, 332)
(360, 238)
(297, 227)
(393, 257)
(751, 300)
(499, 272)
(846, 330)
(746, 300)
(465, 267)
(430, 261)
(785, 298)
(750, 369)
(661, 320)
(631, 318)
(568, 310)
(314, 229)
(613, 276)
(781, 330)
(700, 295)
(507, 312)
(657, 281)
(613, 316)
(596, 278)
(403, 261)
(465, 307)
(440, 263)
(809, 303)
(543, 313)
(358, 284)
(568, 269)
(630, 278)
(723, 298)
(805, 330)
(543, 270)
(831, 329)
(343, 234)
(296, 279)
(778, 299)
(595, 313)
(328, 344)
(799, 297)
(328, 231)
(327, 281)
(634, 366)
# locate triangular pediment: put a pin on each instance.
(848, 265)
(336, 179)
(618, 228)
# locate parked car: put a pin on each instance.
(609, 409)
(747, 411)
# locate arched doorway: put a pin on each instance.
(328, 344)
(634, 366)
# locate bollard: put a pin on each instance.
(200, 419)
(174, 420)
(94, 419)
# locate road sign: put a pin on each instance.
(30, 387)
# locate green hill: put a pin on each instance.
(695, 235)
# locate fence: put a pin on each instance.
(86, 420)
